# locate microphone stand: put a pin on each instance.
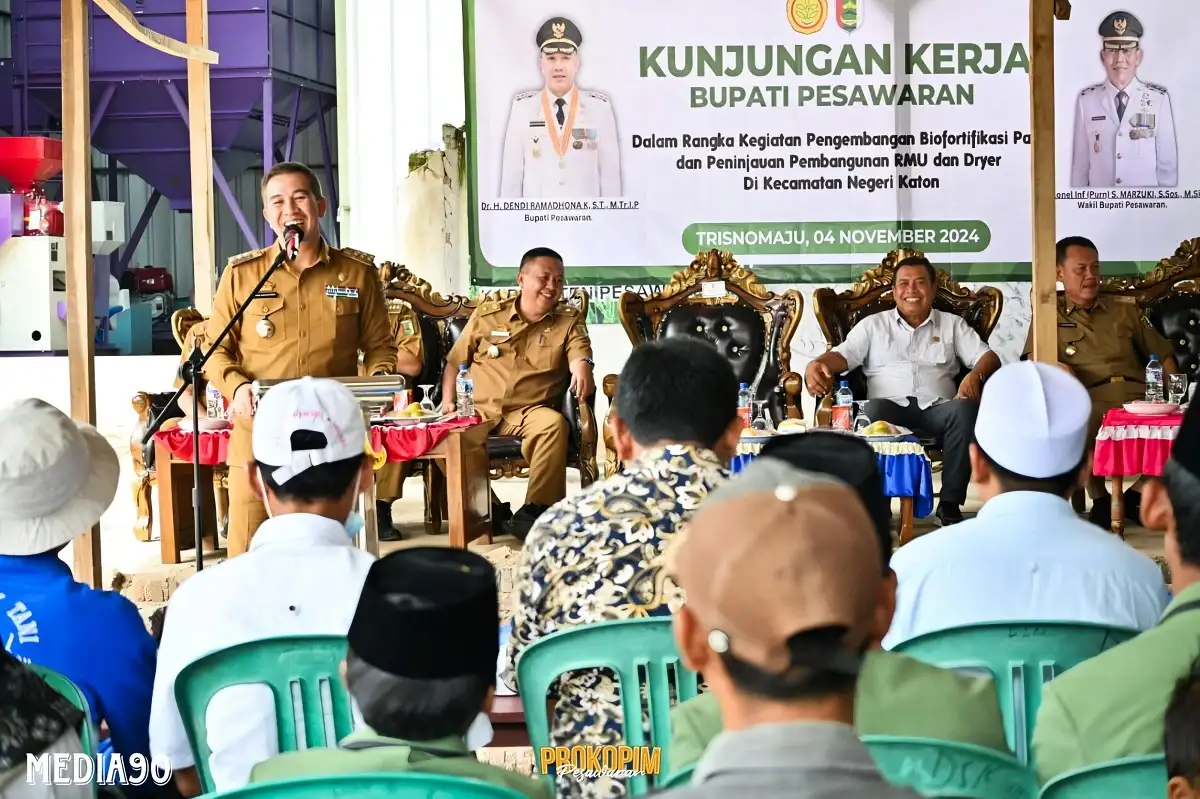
(189, 374)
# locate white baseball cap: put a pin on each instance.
(310, 404)
(1033, 419)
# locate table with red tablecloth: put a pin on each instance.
(1130, 444)
(459, 444)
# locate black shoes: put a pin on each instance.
(523, 519)
(947, 514)
(383, 514)
(501, 514)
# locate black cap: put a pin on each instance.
(1121, 26)
(844, 457)
(1185, 452)
(559, 35)
(429, 613)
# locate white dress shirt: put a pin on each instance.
(301, 576)
(1025, 557)
(900, 361)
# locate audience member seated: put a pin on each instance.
(911, 359)
(1112, 705)
(301, 576)
(524, 354)
(596, 555)
(1105, 342)
(57, 477)
(1181, 737)
(1026, 556)
(896, 695)
(780, 570)
(421, 666)
(34, 720)
(389, 480)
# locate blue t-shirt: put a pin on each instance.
(96, 638)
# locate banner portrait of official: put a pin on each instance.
(561, 140)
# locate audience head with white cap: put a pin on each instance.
(1171, 503)
(309, 444)
(1031, 432)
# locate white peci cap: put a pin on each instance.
(1033, 419)
(317, 405)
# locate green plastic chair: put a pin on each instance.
(1021, 657)
(279, 663)
(676, 780)
(392, 785)
(1128, 778)
(946, 768)
(73, 694)
(621, 646)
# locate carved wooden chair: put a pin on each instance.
(838, 312)
(717, 300)
(442, 321)
(187, 326)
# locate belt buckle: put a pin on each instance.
(1117, 379)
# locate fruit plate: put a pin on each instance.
(901, 432)
(1142, 408)
(408, 421)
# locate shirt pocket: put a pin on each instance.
(346, 309)
(544, 352)
(265, 325)
(937, 351)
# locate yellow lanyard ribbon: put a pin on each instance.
(562, 141)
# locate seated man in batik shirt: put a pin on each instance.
(596, 556)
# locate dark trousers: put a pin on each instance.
(951, 423)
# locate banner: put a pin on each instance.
(810, 137)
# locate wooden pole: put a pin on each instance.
(1041, 112)
(200, 144)
(77, 221)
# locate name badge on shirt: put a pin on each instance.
(333, 292)
(1099, 118)
(501, 333)
(266, 295)
(1066, 324)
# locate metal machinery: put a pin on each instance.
(33, 280)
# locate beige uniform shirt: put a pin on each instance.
(310, 322)
(517, 364)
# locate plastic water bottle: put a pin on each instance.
(743, 406)
(465, 392)
(1154, 380)
(843, 406)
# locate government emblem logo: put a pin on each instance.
(849, 14)
(807, 16)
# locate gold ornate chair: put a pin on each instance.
(442, 321)
(717, 300)
(838, 312)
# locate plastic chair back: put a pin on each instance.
(88, 737)
(677, 780)
(627, 647)
(946, 768)
(392, 785)
(288, 666)
(1128, 778)
(1021, 657)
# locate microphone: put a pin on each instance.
(293, 234)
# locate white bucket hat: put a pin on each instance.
(57, 477)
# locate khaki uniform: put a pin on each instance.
(1107, 347)
(364, 752)
(406, 332)
(521, 371)
(303, 323)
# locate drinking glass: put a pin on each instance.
(427, 399)
(1177, 389)
(762, 421)
(861, 422)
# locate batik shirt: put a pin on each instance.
(597, 556)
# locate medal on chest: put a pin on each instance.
(1070, 350)
(493, 351)
(561, 141)
(265, 328)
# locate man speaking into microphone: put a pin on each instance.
(312, 317)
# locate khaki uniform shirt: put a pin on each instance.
(364, 752)
(406, 332)
(1112, 706)
(897, 695)
(310, 322)
(517, 364)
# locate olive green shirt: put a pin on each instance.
(380, 754)
(897, 695)
(1112, 706)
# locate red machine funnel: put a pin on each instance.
(29, 160)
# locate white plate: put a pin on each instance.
(1151, 408)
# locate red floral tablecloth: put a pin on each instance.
(400, 443)
(1129, 444)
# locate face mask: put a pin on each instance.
(355, 522)
(479, 734)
